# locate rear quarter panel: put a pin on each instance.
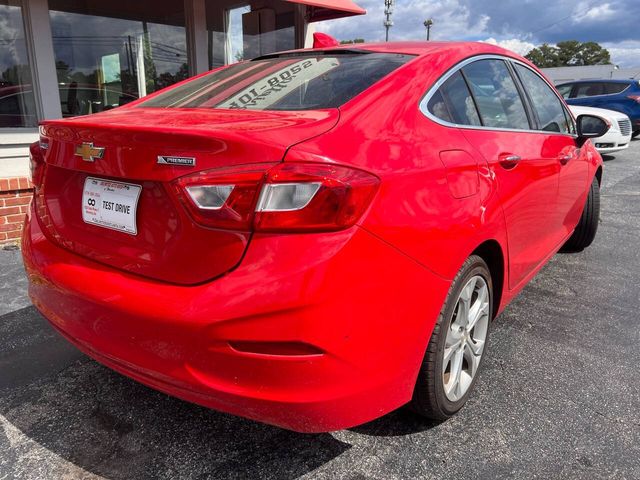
(416, 209)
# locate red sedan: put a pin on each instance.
(312, 238)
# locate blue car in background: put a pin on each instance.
(619, 95)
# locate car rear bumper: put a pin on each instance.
(312, 332)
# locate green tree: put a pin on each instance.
(355, 40)
(592, 53)
(544, 56)
(64, 71)
(569, 53)
(16, 75)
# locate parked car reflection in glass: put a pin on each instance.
(17, 106)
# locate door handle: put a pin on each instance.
(508, 160)
(564, 159)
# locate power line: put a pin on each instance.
(589, 7)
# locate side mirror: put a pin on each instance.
(590, 126)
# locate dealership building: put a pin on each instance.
(560, 75)
(62, 58)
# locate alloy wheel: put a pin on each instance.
(466, 338)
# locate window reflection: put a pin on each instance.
(496, 95)
(243, 32)
(17, 106)
(110, 54)
(551, 113)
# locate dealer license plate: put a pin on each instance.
(110, 204)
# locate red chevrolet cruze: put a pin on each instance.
(311, 238)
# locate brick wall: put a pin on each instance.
(15, 196)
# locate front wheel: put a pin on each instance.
(585, 232)
(450, 367)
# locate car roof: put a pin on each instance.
(407, 48)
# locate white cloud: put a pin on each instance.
(518, 25)
(516, 45)
(452, 20)
(10, 39)
(624, 54)
(597, 13)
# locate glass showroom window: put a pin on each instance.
(110, 53)
(242, 33)
(17, 106)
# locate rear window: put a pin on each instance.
(284, 83)
(453, 103)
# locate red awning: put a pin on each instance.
(328, 9)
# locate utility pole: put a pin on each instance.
(388, 11)
(427, 24)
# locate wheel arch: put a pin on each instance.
(491, 252)
(599, 175)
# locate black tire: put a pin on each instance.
(585, 232)
(429, 398)
(635, 134)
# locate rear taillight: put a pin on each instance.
(222, 198)
(635, 98)
(313, 197)
(287, 197)
(36, 164)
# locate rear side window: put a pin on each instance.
(452, 102)
(589, 89)
(565, 90)
(301, 82)
(496, 95)
(548, 108)
(612, 87)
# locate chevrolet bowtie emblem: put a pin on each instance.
(88, 152)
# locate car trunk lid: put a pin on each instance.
(143, 150)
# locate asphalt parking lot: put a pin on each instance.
(559, 396)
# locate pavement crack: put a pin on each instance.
(600, 414)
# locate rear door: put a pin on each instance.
(556, 123)
(523, 161)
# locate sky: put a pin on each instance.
(518, 25)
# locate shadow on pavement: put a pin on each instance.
(111, 426)
(398, 423)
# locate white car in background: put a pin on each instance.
(618, 136)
